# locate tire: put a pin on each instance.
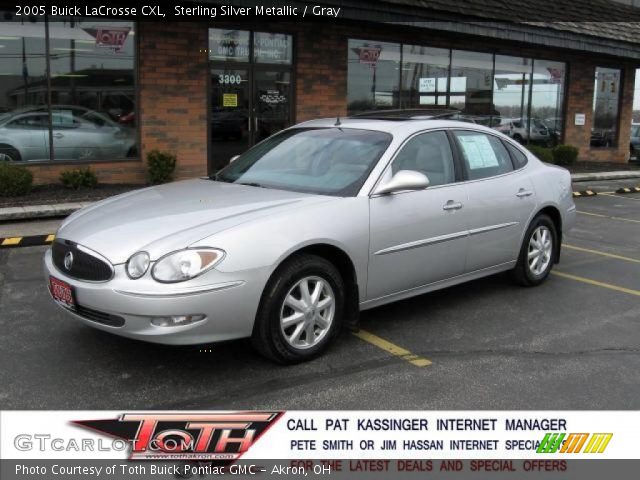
(318, 326)
(10, 154)
(518, 138)
(529, 273)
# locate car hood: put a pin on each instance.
(173, 216)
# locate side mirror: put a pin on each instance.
(404, 180)
(234, 158)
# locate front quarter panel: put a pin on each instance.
(263, 244)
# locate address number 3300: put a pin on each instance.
(229, 79)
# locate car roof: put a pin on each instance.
(406, 127)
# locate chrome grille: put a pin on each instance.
(84, 266)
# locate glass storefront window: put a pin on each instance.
(521, 97)
(373, 76)
(92, 89)
(425, 76)
(90, 82)
(272, 48)
(472, 84)
(604, 130)
(512, 80)
(24, 123)
(547, 100)
(228, 45)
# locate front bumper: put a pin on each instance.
(228, 303)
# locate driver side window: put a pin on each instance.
(430, 154)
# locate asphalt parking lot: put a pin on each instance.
(572, 343)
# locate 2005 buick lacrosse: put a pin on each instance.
(314, 224)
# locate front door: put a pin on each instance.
(230, 119)
(250, 90)
(418, 237)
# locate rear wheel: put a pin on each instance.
(301, 310)
(538, 252)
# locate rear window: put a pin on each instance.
(519, 158)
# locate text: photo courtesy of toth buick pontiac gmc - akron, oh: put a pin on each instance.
(314, 224)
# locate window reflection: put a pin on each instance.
(373, 75)
(471, 84)
(91, 115)
(604, 132)
(519, 96)
(24, 131)
(425, 76)
(92, 89)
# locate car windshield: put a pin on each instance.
(326, 161)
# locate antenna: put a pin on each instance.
(337, 124)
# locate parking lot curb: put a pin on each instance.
(27, 241)
(628, 190)
(585, 193)
(29, 212)
(600, 176)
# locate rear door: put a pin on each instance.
(501, 199)
(418, 237)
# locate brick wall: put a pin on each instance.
(580, 100)
(321, 72)
(173, 93)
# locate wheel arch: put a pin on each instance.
(4, 144)
(554, 213)
(343, 262)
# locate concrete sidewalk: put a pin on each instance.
(63, 209)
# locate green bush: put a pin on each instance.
(543, 153)
(565, 155)
(14, 180)
(160, 166)
(78, 177)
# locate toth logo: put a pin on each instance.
(68, 260)
(187, 436)
(574, 443)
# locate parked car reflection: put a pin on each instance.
(634, 144)
(78, 134)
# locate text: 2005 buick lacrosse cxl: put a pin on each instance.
(292, 239)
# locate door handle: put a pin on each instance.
(524, 193)
(58, 135)
(451, 205)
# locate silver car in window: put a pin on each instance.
(294, 238)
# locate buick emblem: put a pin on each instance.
(68, 260)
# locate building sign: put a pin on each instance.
(369, 55)
(427, 85)
(112, 38)
(580, 119)
(229, 100)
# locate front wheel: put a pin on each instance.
(537, 253)
(301, 310)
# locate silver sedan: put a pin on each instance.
(294, 238)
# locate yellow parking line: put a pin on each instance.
(11, 241)
(609, 217)
(635, 199)
(596, 283)
(598, 252)
(392, 348)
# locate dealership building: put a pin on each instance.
(105, 92)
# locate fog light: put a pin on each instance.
(176, 320)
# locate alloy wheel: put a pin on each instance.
(307, 312)
(540, 249)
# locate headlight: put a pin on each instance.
(137, 265)
(185, 264)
